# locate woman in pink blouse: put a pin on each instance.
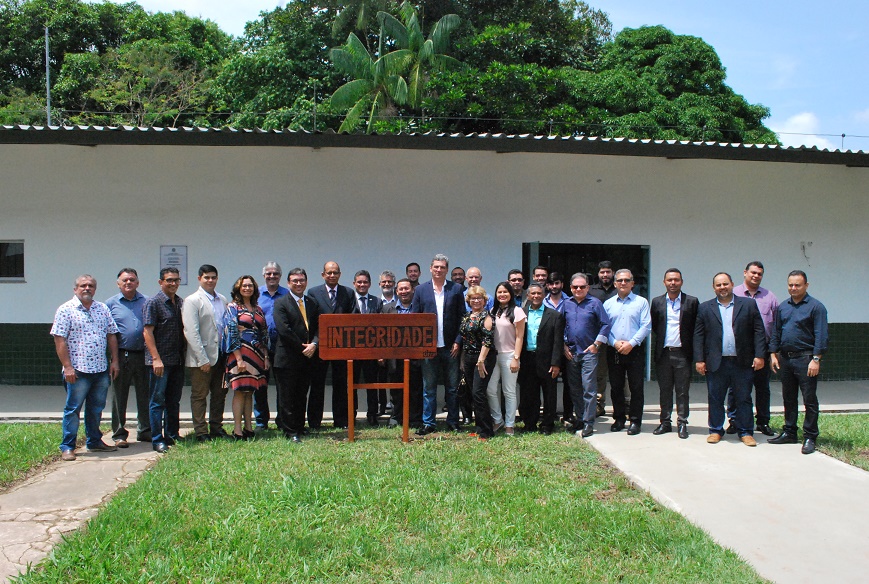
(509, 336)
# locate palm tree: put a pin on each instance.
(396, 77)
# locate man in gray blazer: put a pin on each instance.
(202, 313)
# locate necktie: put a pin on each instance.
(364, 300)
(303, 311)
(332, 298)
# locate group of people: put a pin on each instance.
(497, 355)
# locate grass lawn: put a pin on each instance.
(24, 447)
(844, 436)
(529, 509)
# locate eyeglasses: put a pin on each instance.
(172, 280)
(624, 280)
(298, 281)
(579, 287)
(476, 299)
(272, 274)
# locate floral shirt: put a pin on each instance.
(85, 331)
(475, 336)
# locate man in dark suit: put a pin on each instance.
(331, 298)
(674, 315)
(729, 345)
(542, 352)
(296, 320)
(444, 299)
(365, 303)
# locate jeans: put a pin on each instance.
(582, 372)
(89, 390)
(165, 402)
(738, 379)
(133, 372)
(795, 376)
(508, 379)
(430, 367)
(761, 394)
(674, 373)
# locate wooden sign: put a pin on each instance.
(378, 336)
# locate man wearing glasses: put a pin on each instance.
(586, 329)
(631, 324)
(268, 294)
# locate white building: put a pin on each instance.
(94, 200)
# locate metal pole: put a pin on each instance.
(47, 81)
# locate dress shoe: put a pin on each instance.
(808, 446)
(546, 430)
(296, 439)
(122, 443)
(426, 430)
(454, 427)
(634, 429)
(683, 431)
(713, 438)
(765, 430)
(372, 421)
(101, 447)
(248, 434)
(617, 426)
(731, 428)
(237, 437)
(203, 438)
(662, 428)
(587, 430)
(783, 438)
(169, 441)
(68, 455)
(219, 433)
(530, 428)
(160, 447)
(600, 411)
(749, 440)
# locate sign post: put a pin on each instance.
(378, 336)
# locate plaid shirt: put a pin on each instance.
(165, 317)
(85, 331)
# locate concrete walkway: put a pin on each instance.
(795, 518)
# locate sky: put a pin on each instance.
(807, 62)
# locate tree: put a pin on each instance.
(391, 78)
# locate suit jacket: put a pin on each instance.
(200, 329)
(550, 341)
(687, 321)
(375, 305)
(747, 329)
(454, 307)
(345, 298)
(292, 332)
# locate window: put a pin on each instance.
(12, 260)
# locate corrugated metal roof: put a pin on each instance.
(502, 143)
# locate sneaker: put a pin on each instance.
(508, 430)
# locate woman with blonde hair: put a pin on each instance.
(478, 358)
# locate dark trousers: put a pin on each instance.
(674, 374)
(261, 411)
(761, 395)
(133, 372)
(396, 375)
(293, 386)
(795, 378)
(479, 385)
(318, 391)
(566, 397)
(531, 387)
(632, 365)
(738, 379)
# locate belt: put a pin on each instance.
(128, 351)
(794, 354)
(673, 348)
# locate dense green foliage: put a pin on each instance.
(517, 66)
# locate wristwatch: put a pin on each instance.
(816, 359)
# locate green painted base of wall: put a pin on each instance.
(27, 354)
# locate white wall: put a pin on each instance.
(96, 209)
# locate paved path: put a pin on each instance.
(35, 514)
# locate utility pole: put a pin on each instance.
(47, 81)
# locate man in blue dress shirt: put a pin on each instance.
(126, 309)
(268, 294)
